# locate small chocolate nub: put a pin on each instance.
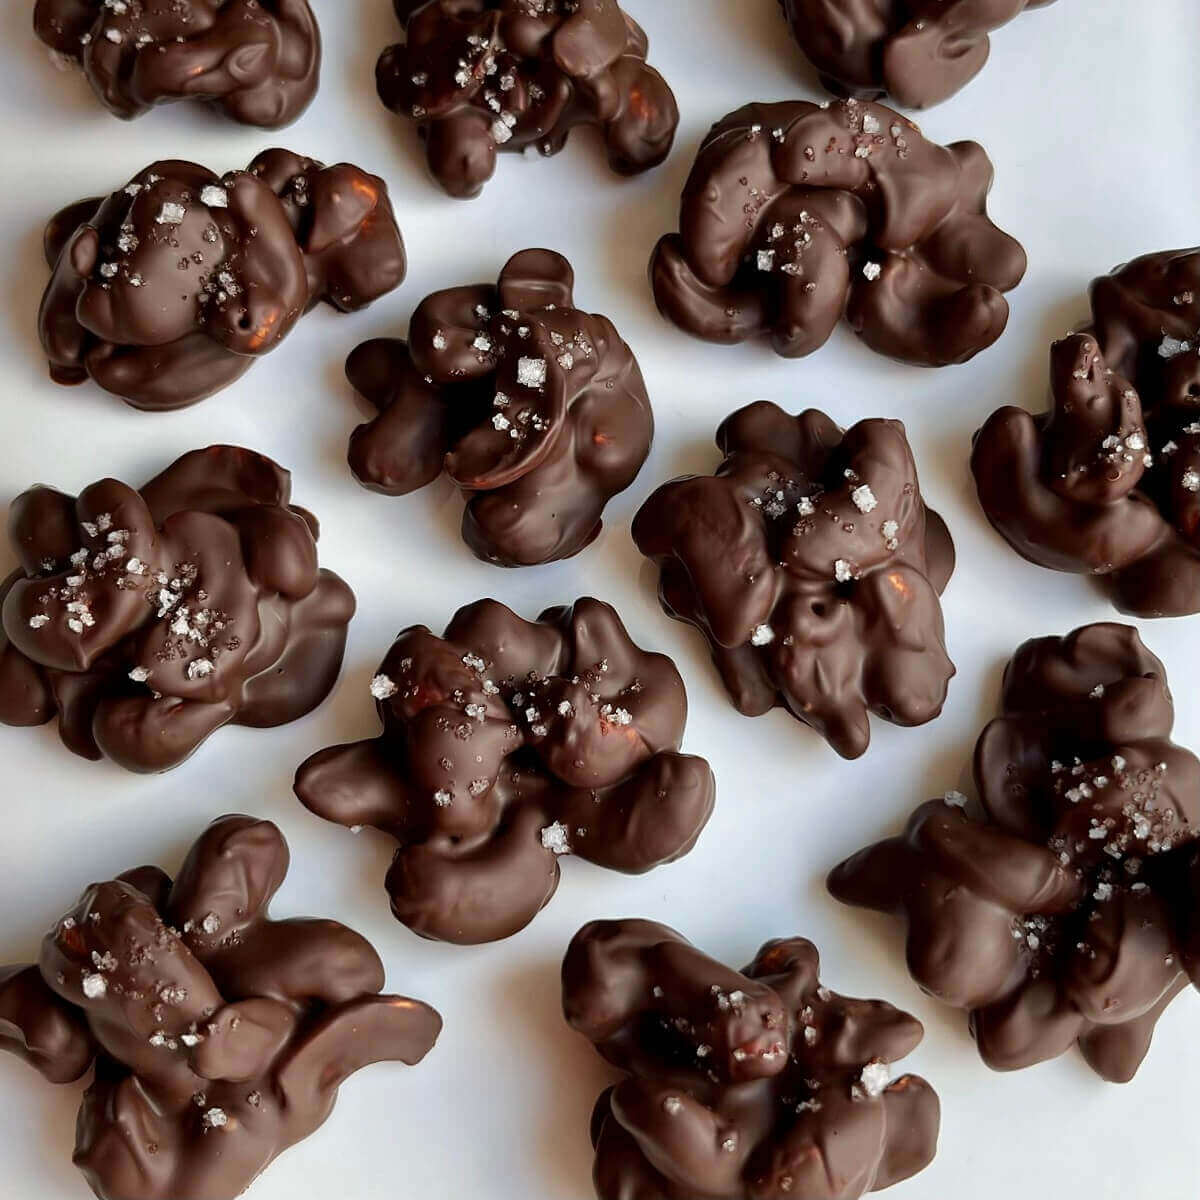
(259, 61)
(1108, 482)
(1058, 910)
(170, 288)
(147, 620)
(537, 411)
(814, 569)
(784, 230)
(505, 745)
(741, 1084)
(917, 53)
(504, 75)
(220, 1036)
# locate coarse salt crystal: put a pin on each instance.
(763, 635)
(171, 214)
(214, 197)
(843, 572)
(955, 799)
(872, 271)
(556, 838)
(531, 372)
(875, 1078)
(95, 987)
(382, 688)
(863, 498)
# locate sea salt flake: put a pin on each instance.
(382, 688)
(1171, 347)
(872, 271)
(171, 214)
(531, 372)
(955, 799)
(95, 987)
(843, 572)
(763, 635)
(766, 260)
(1190, 480)
(215, 1118)
(214, 197)
(864, 499)
(139, 674)
(874, 1078)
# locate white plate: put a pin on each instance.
(1089, 112)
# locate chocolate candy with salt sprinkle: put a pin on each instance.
(146, 620)
(814, 569)
(1061, 908)
(536, 411)
(169, 290)
(507, 744)
(1107, 483)
(917, 52)
(220, 1037)
(484, 76)
(258, 61)
(796, 215)
(741, 1085)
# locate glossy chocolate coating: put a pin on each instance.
(1108, 482)
(917, 52)
(741, 1086)
(257, 60)
(146, 620)
(506, 744)
(484, 76)
(168, 290)
(220, 1036)
(796, 215)
(814, 569)
(1054, 909)
(536, 411)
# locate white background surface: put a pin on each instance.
(1087, 110)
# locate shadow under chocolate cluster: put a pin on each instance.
(814, 569)
(507, 744)
(219, 1036)
(741, 1085)
(484, 76)
(918, 52)
(257, 60)
(1108, 482)
(796, 215)
(168, 290)
(146, 620)
(1059, 909)
(538, 412)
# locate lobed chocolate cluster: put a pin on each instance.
(484, 76)
(536, 411)
(1057, 909)
(219, 1036)
(796, 215)
(146, 620)
(918, 52)
(742, 1085)
(1108, 482)
(505, 745)
(259, 61)
(168, 290)
(812, 566)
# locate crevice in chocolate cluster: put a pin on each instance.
(506, 745)
(258, 61)
(1107, 483)
(741, 1085)
(813, 568)
(220, 1036)
(535, 410)
(917, 52)
(146, 620)
(169, 289)
(1058, 910)
(796, 215)
(481, 77)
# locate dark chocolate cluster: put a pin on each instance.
(146, 620)
(1108, 482)
(1056, 909)
(169, 289)
(257, 60)
(741, 1086)
(219, 1036)
(537, 411)
(814, 569)
(796, 215)
(505, 745)
(918, 52)
(484, 76)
